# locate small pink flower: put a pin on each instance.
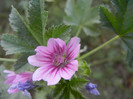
(55, 61)
(14, 79)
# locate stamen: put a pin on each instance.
(60, 60)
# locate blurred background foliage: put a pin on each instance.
(108, 67)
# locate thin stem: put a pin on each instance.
(79, 30)
(98, 48)
(8, 60)
(32, 92)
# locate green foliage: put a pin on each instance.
(13, 45)
(82, 15)
(18, 25)
(78, 82)
(66, 89)
(77, 94)
(84, 68)
(25, 41)
(37, 18)
(30, 34)
(66, 93)
(130, 57)
(22, 62)
(58, 89)
(60, 31)
(121, 22)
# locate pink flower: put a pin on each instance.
(55, 61)
(14, 79)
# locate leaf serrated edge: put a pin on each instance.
(28, 28)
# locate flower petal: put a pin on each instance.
(43, 50)
(57, 46)
(49, 74)
(53, 77)
(10, 80)
(23, 77)
(42, 57)
(12, 89)
(9, 72)
(91, 86)
(27, 94)
(10, 77)
(94, 91)
(33, 60)
(69, 70)
(38, 74)
(73, 48)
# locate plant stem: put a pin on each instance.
(79, 30)
(7, 59)
(98, 48)
(32, 92)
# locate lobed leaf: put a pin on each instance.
(75, 82)
(84, 69)
(121, 22)
(29, 35)
(60, 31)
(81, 14)
(108, 20)
(18, 25)
(58, 89)
(22, 61)
(66, 93)
(77, 94)
(12, 45)
(130, 57)
(66, 89)
(37, 18)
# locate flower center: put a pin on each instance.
(59, 60)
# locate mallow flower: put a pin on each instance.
(19, 82)
(92, 88)
(56, 60)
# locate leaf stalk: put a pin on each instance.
(8, 60)
(98, 48)
(79, 30)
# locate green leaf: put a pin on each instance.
(11, 44)
(18, 25)
(58, 89)
(121, 22)
(108, 20)
(37, 18)
(22, 61)
(66, 93)
(84, 69)
(91, 31)
(14, 45)
(29, 35)
(130, 57)
(60, 31)
(65, 89)
(81, 14)
(77, 94)
(76, 82)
